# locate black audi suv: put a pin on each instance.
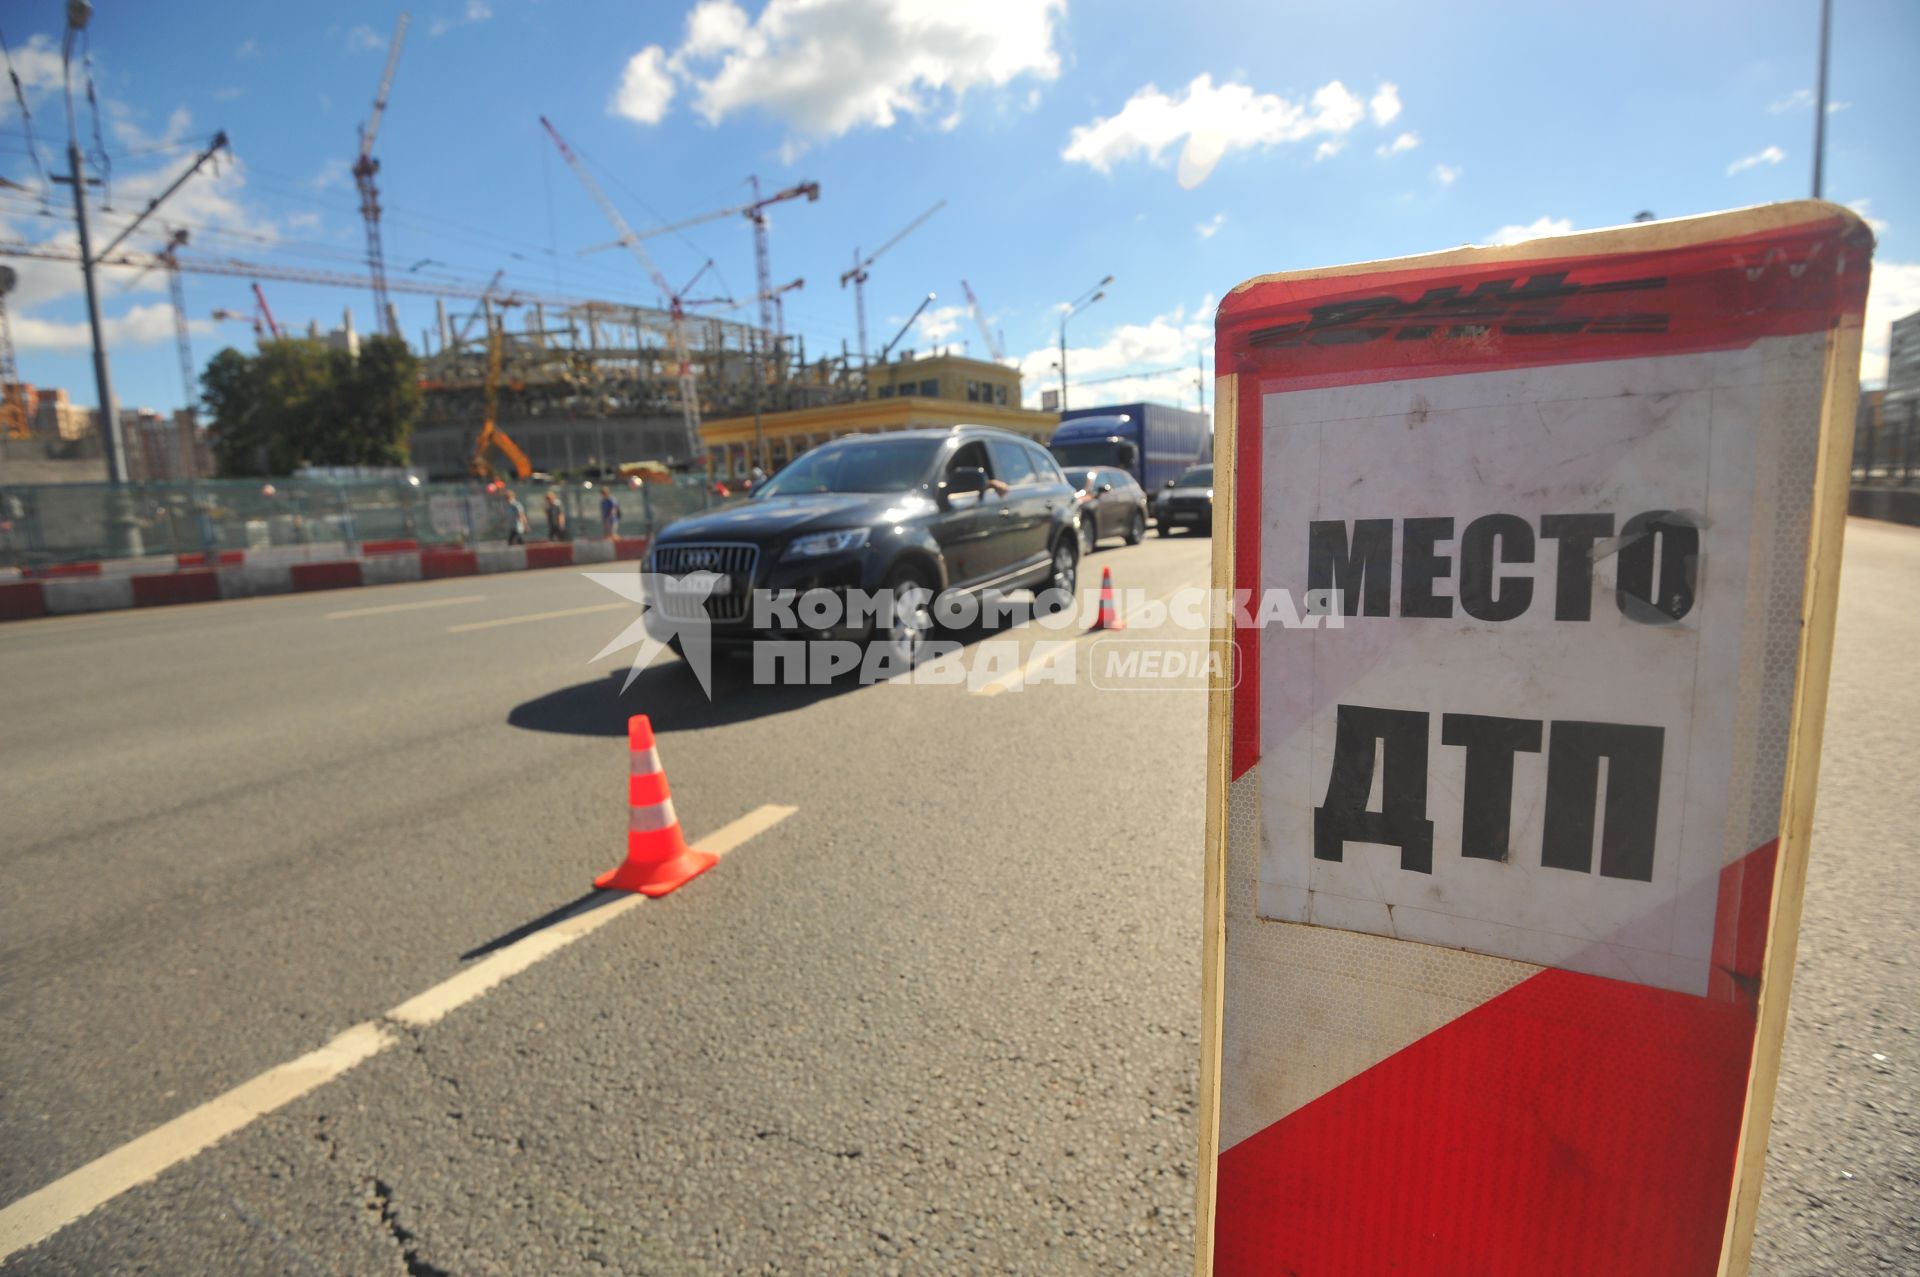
(912, 513)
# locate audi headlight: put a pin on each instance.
(817, 544)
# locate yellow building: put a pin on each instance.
(903, 394)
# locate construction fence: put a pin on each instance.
(44, 524)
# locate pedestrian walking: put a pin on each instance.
(516, 520)
(609, 513)
(556, 517)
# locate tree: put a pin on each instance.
(298, 402)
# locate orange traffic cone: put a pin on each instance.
(658, 858)
(1109, 617)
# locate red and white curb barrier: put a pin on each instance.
(68, 589)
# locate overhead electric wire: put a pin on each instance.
(26, 117)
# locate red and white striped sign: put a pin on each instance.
(1504, 869)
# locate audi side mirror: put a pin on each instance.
(962, 479)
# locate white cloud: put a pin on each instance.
(1210, 120)
(332, 172)
(249, 49)
(940, 323)
(1329, 148)
(714, 27)
(1384, 105)
(824, 67)
(37, 63)
(1771, 155)
(1405, 142)
(131, 135)
(646, 90)
(1208, 229)
(140, 326)
(476, 11)
(228, 94)
(363, 38)
(1446, 174)
(1539, 228)
(1877, 225)
(1894, 293)
(1802, 100)
(1162, 351)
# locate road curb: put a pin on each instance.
(68, 593)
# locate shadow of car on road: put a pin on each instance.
(669, 694)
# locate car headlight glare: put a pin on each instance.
(817, 544)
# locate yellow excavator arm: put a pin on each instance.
(491, 435)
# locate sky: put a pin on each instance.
(1178, 148)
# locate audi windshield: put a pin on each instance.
(883, 465)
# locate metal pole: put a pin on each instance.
(759, 435)
(1820, 103)
(123, 531)
(1064, 316)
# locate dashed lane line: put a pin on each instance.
(384, 608)
(40, 1214)
(471, 626)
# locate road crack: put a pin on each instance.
(403, 1237)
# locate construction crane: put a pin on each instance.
(772, 320)
(858, 275)
(677, 302)
(168, 259)
(365, 167)
(460, 337)
(261, 317)
(980, 322)
(239, 269)
(491, 436)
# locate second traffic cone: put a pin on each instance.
(658, 858)
(1109, 616)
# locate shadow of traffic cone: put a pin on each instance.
(1109, 616)
(658, 858)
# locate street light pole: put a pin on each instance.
(1820, 103)
(122, 529)
(1073, 308)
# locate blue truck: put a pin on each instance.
(1150, 441)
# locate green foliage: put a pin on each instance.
(299, 403)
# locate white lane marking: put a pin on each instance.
(385, 608)
(470, 626)
(40, 1214)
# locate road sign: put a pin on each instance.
(1504, 869)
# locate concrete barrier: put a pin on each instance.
(600, 551)
(435, 564)
(390, 569)
(341, 575)
(255, 579)
(195, 585)
(549, 554)
(1895, 505)
(506, 558)
(88, 594)
(22, 600)
(85, 587)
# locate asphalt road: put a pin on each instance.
(943, 1018)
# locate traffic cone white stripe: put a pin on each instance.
(643, 762)
(648, 819)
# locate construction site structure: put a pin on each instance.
(365, 170)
